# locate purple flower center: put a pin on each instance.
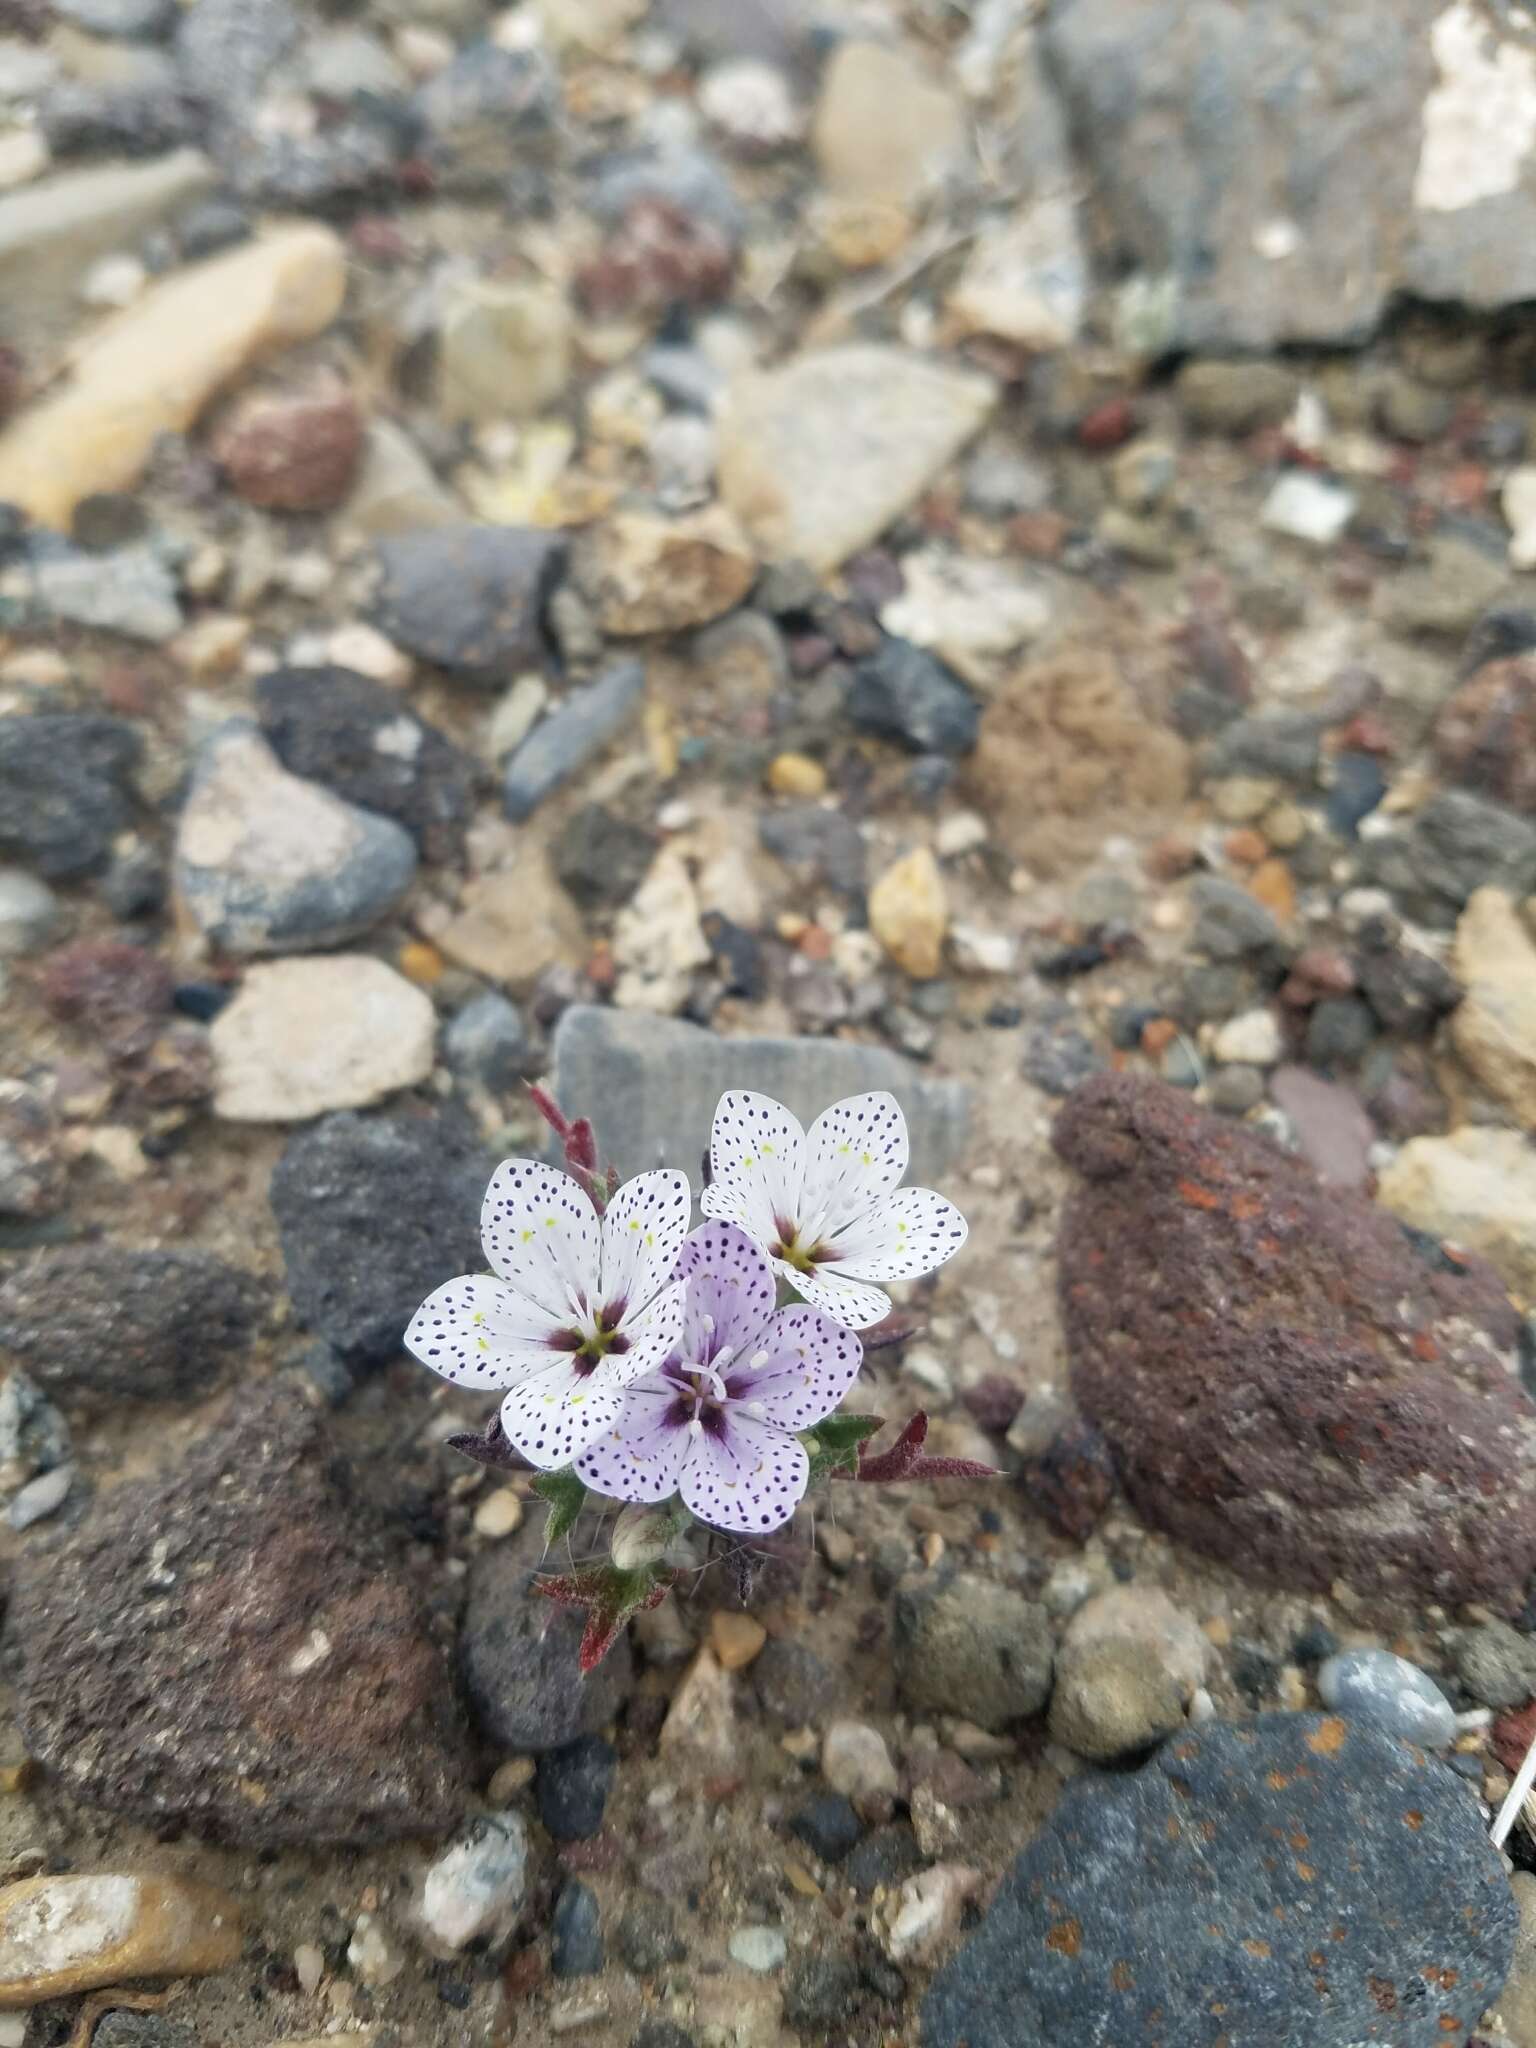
(590, 1347)
(805, 1250)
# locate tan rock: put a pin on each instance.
(504, 350)
(651, 574)
(305, 1036)
(1475, 1188)
(909, 914)
(883, 128)
(818, 457)
(701, 1720)
(1026, 279)
(513, 924)
(62, 1935)
(735, 1638)
(796, 775)
(396, 490)
(658, 939)
(151, 370)
(1494, 1028)
(1516, 2007)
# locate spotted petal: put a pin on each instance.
(852, 1303)
(553, 1416)
(653, 1336)
(639, 1459)
(745, 1200)
(747, 1476)
(730, 1292)
(540, 1234)
(857, 1150)
(478, 1332)
(758, 1140)
(900, 1237)
(643, 1232)
(810, 1364)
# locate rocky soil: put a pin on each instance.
(985, 550)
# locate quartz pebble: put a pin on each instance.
(759, 1948)
(1389, 1692)
(307, 1036)
(63, 1935)
(473, 1891)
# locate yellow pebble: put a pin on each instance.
(421, 963)
(499, 1513)
(508, 1779)
(796, 775)
(735, 1639)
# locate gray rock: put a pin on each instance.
(486, 1042)
(1235, 397)
(646, 1936)
(1390, 1693)
(228, 48)
(792, 1683)
(968, 1646)
(109, 1323)
(372, 1214)
(34, 1437)
(1457, 843)
(1145, 1899)
(470, 598)
(1284, 744)
(827, 844)
(40, 1497)
(142, 2030)
(130, 591)
(129, 21)
(1496, 1664)
(1229, 923)
(29, 913)
(577, 729)
(1340, 1031)
(653, 1082)
(820, 1991)
(483, 113)
(576, 1932)
(517, 1653)
(600, 857)
(141, 116)
(66, 789)
(903, 693)
(270, 863)
(364, 744)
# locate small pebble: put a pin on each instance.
(759, 1948)
(1389, 1692)
(499, 1513)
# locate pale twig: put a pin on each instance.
(1515, 1798)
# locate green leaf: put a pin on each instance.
(833, 1443)
(566, 1497)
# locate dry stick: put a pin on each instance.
(1516, 1797)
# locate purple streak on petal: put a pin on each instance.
(811, 1364)
(639, 1458)
(750, 1477)
(729, 1281)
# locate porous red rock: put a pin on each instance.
(293, 454)
(1286, 1377)
(1485, 735)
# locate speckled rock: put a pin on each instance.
(1389, 1692)
(470, 598)
(106, 1322)
(65, 789)
(968, 1646)
(1284, 1378)
(1185, 1907)
(229, 1648)
(1485, 735)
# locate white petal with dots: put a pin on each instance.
(477, 1332)
(643, 1232)
(652, 1336)
(540, 1234)
(748, 1476)
(742, 1199)
(852, 1303)
(755, 1137)
(900, 1237)
(640, 1457)
(811, 1363)
(553, 1416)
(857, 1150)
(730, 1292)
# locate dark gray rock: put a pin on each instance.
(470, 598)
(517, 1654)
(654, 1083)
(887, 1856)
(212, 225)
(1340, 1031)
(646, 1936)
(965, 1645)
(1409, 991)
(139, 118)
(600, 858)
(483, 113)
(793, 1684)
(576, 1933)
(1188, 1904)
(1359, 784)
(1229, 923)
(372, 1214)
(106, 1323)
(65, 789)
(571, 1786)
(487, 1041)
(826, 844)
(902, 693)
(1057, 1054)
(1457, 843)
(578, 728)
(354, 161)
(361, 741)
(1284, 744)
(820, 1990)
(230, 1649)
(662, 2034)
(828, 1826)
(142, 2030)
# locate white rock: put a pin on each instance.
(1026, 279)
(114, 282)
(751, 102)
(1518, 499)
(1475, 1188)
(365, 649)
(658, 939)
(29, 911)
(474, 1890)
(929, 1909)
(856, 1762)
(1309, 508)
(66, 1934)
(1252, 1040)
(971, 611)
(1480, 120)
(23, 157)
(373, 1961)
(759, 1948)
(310, 1035)
(981, 952)
(701, 1720)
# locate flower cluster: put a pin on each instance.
(655, 1361)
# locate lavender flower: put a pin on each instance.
(826, 1208)
(575, 1308)
(717, 1423)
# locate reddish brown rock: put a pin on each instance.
(230, 1649)
(1285, 1376)
(296, 454)
(1485, 736)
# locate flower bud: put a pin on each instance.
(641, 1536)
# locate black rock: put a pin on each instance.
(601, 858)
(372, 1214)
(828, 1826)
(793, 1684)
(103, 1322)
(1408, 990)
(821, 1990)
(1359, 784)
(470, 598)
(827, 843)
(572, 1786)
(1315, 1642)
(647, 1936)
(517, 1653)
(230, 1649)
(1498, 634)
(576, 1933)
(358, 739)
(886, 1856)
(902, 693)
(65, 789)
(1189, 1904)
(1340, 1031)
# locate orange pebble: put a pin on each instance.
(1159, 1034)
(1246, 845)
(1271, 883)
(420, 963)
(815, 943)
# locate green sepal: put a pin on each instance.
(565, 1497)
(833, 1443)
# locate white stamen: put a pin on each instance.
(759, 1358)
(709, 1324)
(756, 1409)
(724, 1356)
(695, 1428)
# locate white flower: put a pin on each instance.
(826, 1207)
(574, 1309)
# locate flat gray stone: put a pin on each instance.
(651, 1084)
(574, 731)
